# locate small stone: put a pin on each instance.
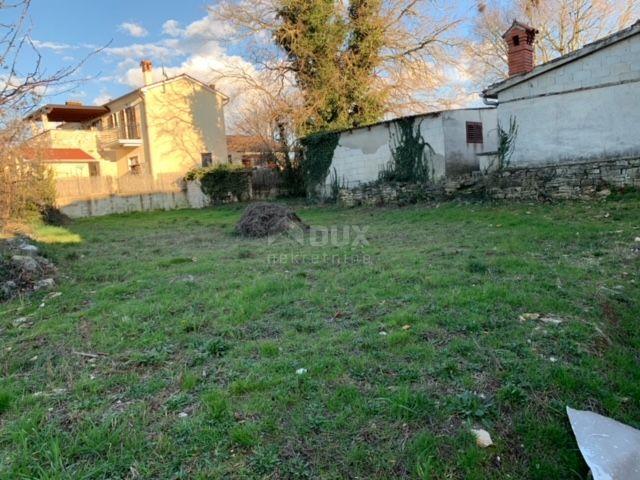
(29, 249)
(551, 319)
(406, 327)
(301, 371)
(553, 359)
(19, 321)
(25, 263)
(45, 283)
(529, 316)
(483, 439)
(637, 239)
(383, 333)
(183, 414)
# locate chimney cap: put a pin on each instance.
(516, 25)
(146, 65)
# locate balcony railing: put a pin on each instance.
(122, 135)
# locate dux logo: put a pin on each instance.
(335, 236)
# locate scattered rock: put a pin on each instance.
(20, 321)
(301, 371)
(22, 270)
(29, 249)
(551, 320)
(483, 439)
(183, 414)
(529, 316)
(25, 263)
(44, 283)
(406, 327)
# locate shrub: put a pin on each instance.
(222, 183)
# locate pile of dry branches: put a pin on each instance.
(263, 219)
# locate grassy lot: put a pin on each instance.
(198, 336)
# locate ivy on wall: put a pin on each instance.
(410, 153)
(318, 154)
(506, 143)
(222, 183)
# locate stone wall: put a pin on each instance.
(574, 181)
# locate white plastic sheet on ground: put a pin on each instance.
(610, 448)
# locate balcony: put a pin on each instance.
(127, 136)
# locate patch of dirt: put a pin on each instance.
(263, 219)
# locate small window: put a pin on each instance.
(516, 40)
(207, 159)
(134, 166)
(229, 158)
(474, 132)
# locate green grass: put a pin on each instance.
(198, 337)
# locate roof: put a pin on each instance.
(436, 113)
(493, 90)
(164, 82)
(58, 155)
(68, 113)
(249, 144)
(517, 24)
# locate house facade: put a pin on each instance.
(456, 137)
(581, 107)
(146, 139)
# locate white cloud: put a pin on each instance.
(195, 49)
(172, 28)
(133, 29)
(102, 98)
(56, 47)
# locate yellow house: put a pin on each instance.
(155, 133)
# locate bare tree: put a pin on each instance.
(564, 26)
(24, 185)
(415, 41)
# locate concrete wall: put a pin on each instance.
(585, 110)
(107, 204)
(184, 120)
(361, 153)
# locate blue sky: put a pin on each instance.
(180, 36)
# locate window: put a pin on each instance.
(230, 158)
(207, 159)
(516, 40)
(474, 132)
(134, 166)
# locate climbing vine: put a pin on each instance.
(506, 143)
(410, 153)
(318, 154)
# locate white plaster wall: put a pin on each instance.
(583, 123)
(579, 126)
(361, 153)
(462, 157)
(619, 62)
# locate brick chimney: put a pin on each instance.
(520, 50)
(147, 67)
